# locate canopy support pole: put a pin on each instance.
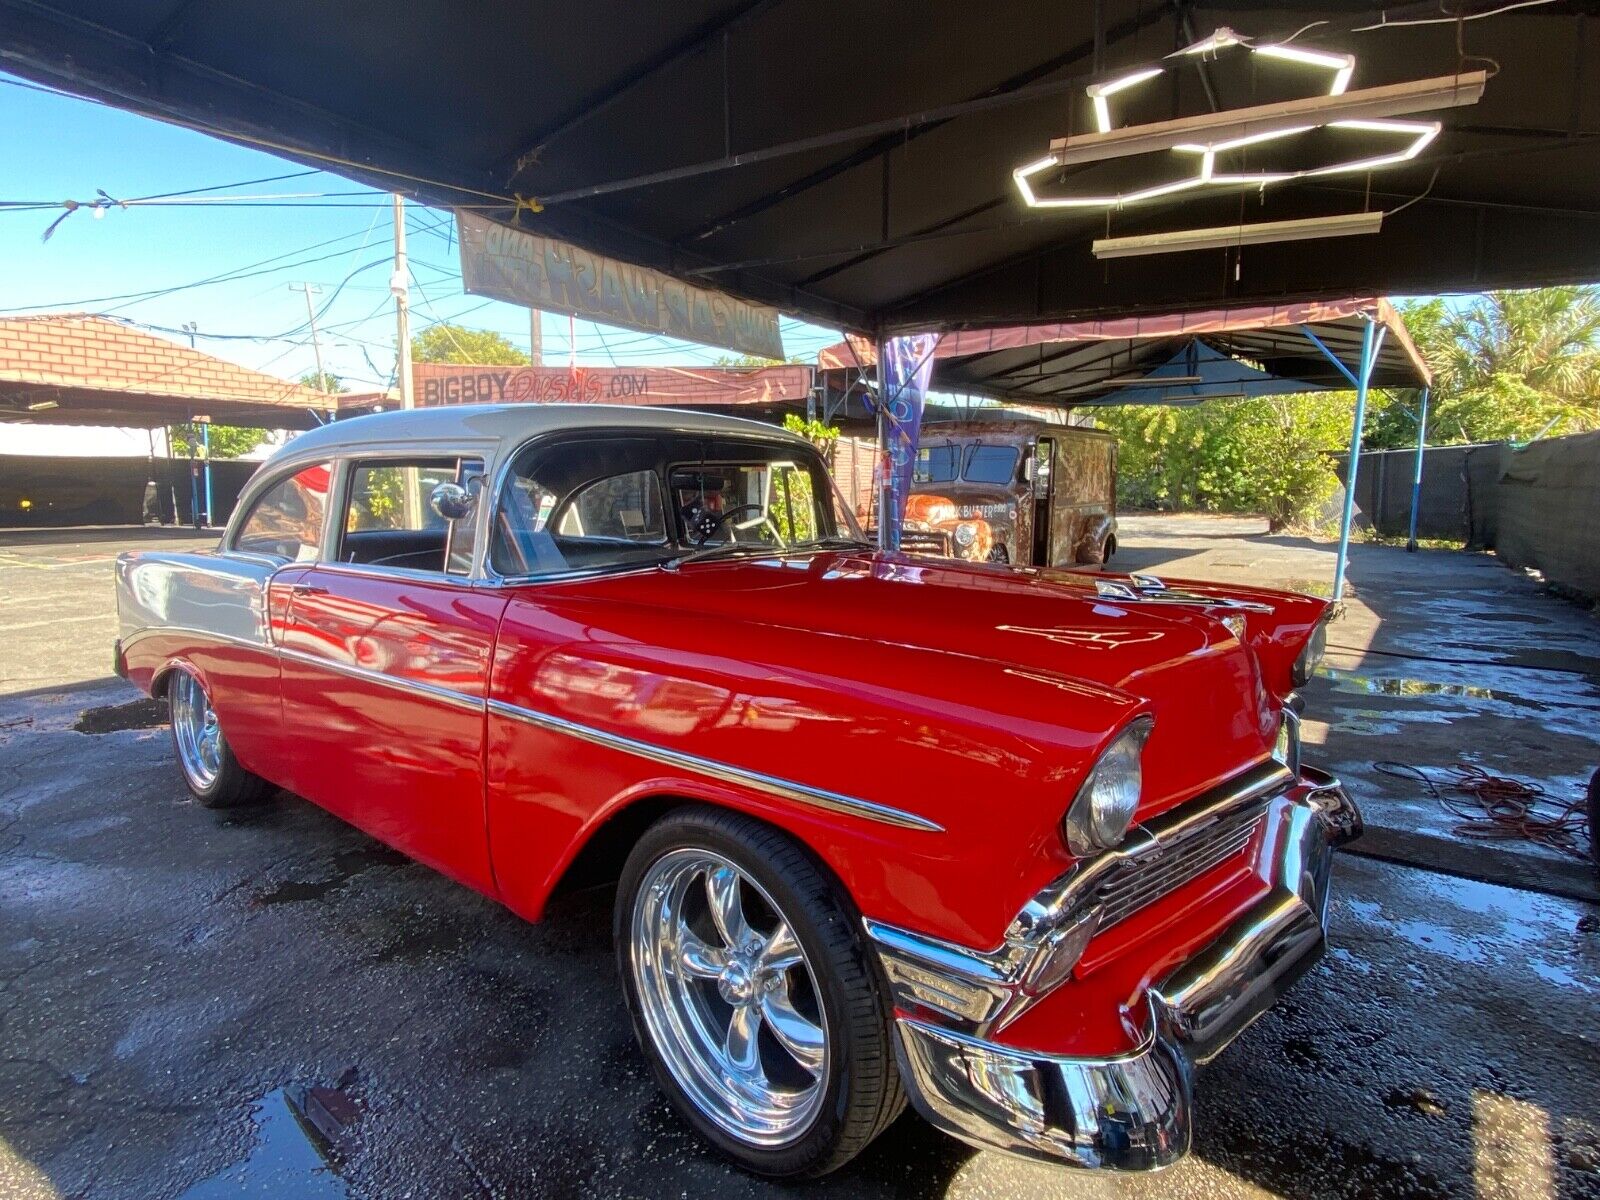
(1416, 477)
(1371, 340)
(884, 535)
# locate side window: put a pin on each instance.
(286, 519)
(625, 508)
(389, 519)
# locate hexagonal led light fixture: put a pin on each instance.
(1208, 135)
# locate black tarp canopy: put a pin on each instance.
(864, 153)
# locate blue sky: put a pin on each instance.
(58, 147)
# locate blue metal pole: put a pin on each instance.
(1368, 350)
(205, 440)
(1416, 477)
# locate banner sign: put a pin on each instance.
(903, 389)
(539, 272)
(435, 384)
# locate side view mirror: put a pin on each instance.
(451, 501)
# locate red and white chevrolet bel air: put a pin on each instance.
(1021, 845)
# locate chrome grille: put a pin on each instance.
(1149, 877)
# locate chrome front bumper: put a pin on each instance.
(1133, 1112)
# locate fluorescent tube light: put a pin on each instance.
(1230, 125)
(1099, 91)
(1342, 65)
(1220, 237)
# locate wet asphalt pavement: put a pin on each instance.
(269, 1003)
(173, 981)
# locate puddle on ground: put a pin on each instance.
(288, 1158)
(347, 864)
(144, 713)
(1394, 685)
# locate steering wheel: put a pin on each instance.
(705, 523)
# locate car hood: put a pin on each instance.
(1203, 686)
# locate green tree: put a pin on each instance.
(227, 441)
(1506, 365)
(1264, 455)
(446, 343)
(324, 381)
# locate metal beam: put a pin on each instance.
(685, 48)
(1008, 86)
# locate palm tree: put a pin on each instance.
(1505, 365)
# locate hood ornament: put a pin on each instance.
(1147, 589)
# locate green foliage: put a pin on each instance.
(1264, 455)
(819, 433)
(1507, 366)
(227, 441)
(324, 381)
(446, 343)
(755, 360)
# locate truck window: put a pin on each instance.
(937, 464)
(990, 464)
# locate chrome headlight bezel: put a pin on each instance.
(966, 533)
(1103, 810)
(1311, 654)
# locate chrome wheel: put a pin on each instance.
(728, 997)
(195, 729)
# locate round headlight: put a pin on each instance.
(1311, 656)
(1106, 803)
(966, 533)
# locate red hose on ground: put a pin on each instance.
(1492, 807)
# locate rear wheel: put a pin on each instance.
(213, 774)
(752, 995)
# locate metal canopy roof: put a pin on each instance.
(1173, 358)
(863, 165)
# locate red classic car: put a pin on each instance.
(1021, 845)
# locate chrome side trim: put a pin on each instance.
(129, 639)
(771, 785)
(415, 687)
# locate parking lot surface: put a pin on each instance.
(269, 1003)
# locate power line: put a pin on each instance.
(245, 272)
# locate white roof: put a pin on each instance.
(507, 423)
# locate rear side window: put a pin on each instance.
(286, 520)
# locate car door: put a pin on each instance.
(385, 651)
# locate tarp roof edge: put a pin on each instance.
(858, 350)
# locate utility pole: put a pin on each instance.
(536, 337)
(311, 289)
(399, 284)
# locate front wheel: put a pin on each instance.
(752, 995)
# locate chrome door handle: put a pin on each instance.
(307, 589)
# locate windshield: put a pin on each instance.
(937, 464)
(975, 462)
(596, 503)
(990, 464)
